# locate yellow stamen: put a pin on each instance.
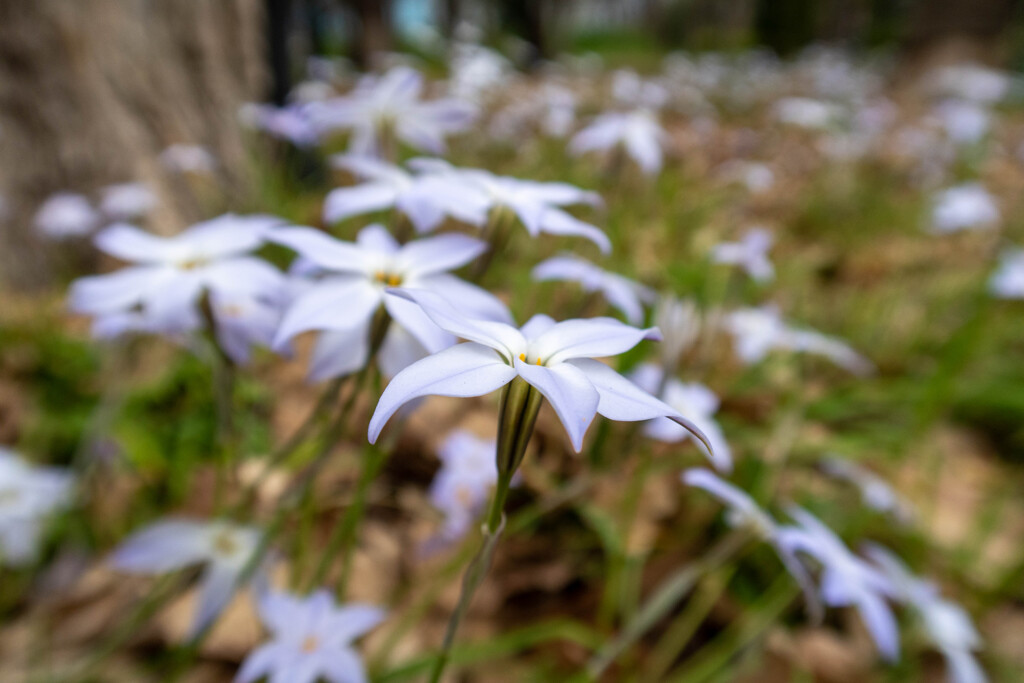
(394, 280)
(538, 360)
(522, 357)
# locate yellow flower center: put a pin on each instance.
(310, 644)
(191, 264)
(389, 279)
(224, 543)
(522, 357)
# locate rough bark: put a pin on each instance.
(92, 90)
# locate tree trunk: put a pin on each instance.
(92, 91)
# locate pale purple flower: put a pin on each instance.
(965, 122)
(964, 207)
(170, 274)
(679, 322)
(29, 495)
(804, 112)
(64, 215)
(744, 512)
(462, 485)
(223, 548)
(361, 277)
(311, 640)
(555, 358)
(692, 399)
(758, 331)
(846, 579)
(637, 132)
(1008, 281)
(127, 201)
(875, 491)
(947, 624)
(537, 205)
(392, 102)
(425, 198)
(182, 158)
(632, 90)
(750, 254)
(970, 82)
(757, 177)
(628, 296)
(290, 122)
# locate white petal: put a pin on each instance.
(590, 338)
(723, 490)
(503, 338)
(622, 296)
(118, 290)
(345, 202)
(414, 321)
(339, 352)
(399, 350)
(130, 243)
(322, 249)
(245, 274)
(162, 546)
(376, 238)
(438, 254)
(881, 624)
(343, 666)
(537, 325)
(216, 588)
(475, 301)
(462, 370)
(353, 620)
(643, 146)
(569, 392)
(558, 222)
(260, 662)
(334, 304)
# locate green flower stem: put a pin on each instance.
(520, 405)
(665, 598)
(223, 371)
(497, 233)
(471, 580)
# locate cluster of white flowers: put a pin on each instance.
(389, 301)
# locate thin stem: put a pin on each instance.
(471, 580)
(665, 599)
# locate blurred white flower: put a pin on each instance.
(846, 579)
(758, 331)
(224, 548)
(965, 123)
(692, 399)
(679, 322)
(632, 90)
(311, 639)
(391, 103)
(804, 112)
(537, 205)
(290, 122)
(964, 207)
(171, 274)
(947, 624)
(29, 494)
(1008, 280)
(637, 132)
(555, 358)
(65, 215)
(467, 475)
(757, 177)
(476, 71)
(182, 158)
(127, 201)
(970, 82)
(426, 198)
(362, 277)
(745, 512)
(750, 254)
(622, 293)
(875, 491)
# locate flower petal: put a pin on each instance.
(438, 254)
(590, 338)
(339, 352)
(462, 370)
(162, 546)
(503, 338)
(129, 243)
(569, 392)
(345, 202)
(334, 304)
(558, 222)
(216, 588)
(321, 249)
